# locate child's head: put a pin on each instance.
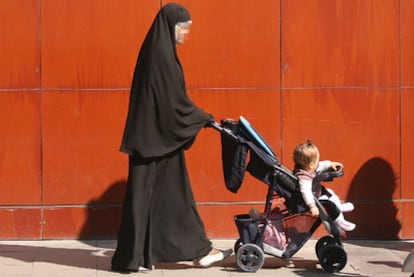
(306, 156)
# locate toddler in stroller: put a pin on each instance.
(307, 166)
(291, 224)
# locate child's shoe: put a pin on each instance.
(347, 207)
(344, 224)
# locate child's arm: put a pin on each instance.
(325, 165)
(305, 185)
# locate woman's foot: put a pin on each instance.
(213, 257)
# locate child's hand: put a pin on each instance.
(314, 211)
(336, 165)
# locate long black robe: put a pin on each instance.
(160, 222)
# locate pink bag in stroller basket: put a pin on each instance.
(274, 235)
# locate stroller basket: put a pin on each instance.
(247, 228)
(266, 230)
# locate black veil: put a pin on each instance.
(161, 116)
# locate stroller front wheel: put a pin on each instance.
(326, 240)
(249, 257)
(332, 258)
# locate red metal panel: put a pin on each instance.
(407, 42)
(19, 44)
(233, 43)
(81, 137)
(340, 43)
(81, 222)
(407, 153)
(92, 43)
(407, 223)
(20, 148)
(55, 227)
(20, 223)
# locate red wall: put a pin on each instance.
(339, 72)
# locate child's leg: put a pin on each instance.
(344, 224)
(334, 198)
(330, 208)
(337, 216)
(343, 207)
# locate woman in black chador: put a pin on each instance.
(160, 222)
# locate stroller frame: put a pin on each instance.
(263, 165)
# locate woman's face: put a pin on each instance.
(182, 29)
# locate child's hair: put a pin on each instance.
(305, 154)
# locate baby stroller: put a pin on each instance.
(277, 232)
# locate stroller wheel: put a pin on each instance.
(332, 258)
(326, 240)
(250, 257)
(237, 245)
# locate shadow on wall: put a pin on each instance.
(104, 213)
(372, 190)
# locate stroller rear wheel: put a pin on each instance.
(249, 257)
(326, 240)
(332, 258)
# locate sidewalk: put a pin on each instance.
(64, 258)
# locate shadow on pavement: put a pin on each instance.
(399, 245)
(81, 257)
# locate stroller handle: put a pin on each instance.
(219, 127)
(215, 125)
(330, 174)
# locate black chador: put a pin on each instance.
(160, 222)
